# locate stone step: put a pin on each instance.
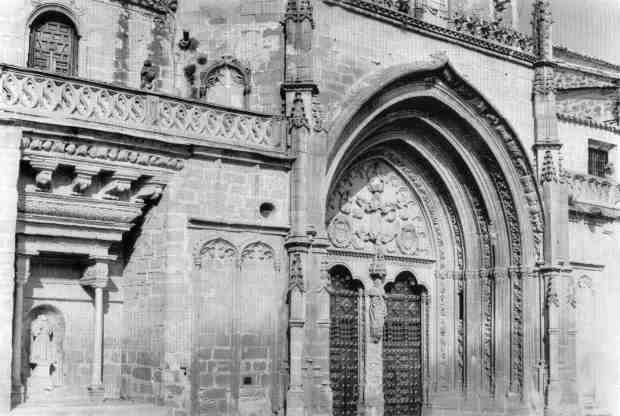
(102, 409)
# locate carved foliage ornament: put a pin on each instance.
(373, 207)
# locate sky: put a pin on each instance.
(590, 27)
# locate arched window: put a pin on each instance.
(53, 43)
(226, 82)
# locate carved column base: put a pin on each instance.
(295, 401)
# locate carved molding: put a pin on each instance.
(159, 6)
(113, 213)
(97, 151)
(501, 41)
(521, 164)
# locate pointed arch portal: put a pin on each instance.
(424, 175)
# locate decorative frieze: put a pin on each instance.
(493, 31)
(159, 6)
(46, 96)
(475, 32)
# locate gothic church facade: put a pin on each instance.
(305, 207)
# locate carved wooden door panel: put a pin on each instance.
(402, 352)
(52, 46)
(344, 348)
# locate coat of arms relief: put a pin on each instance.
(373, 209)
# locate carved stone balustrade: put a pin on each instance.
(33, 95)
(594, 195)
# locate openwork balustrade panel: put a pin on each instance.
(42, 95)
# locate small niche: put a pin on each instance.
(266, 209)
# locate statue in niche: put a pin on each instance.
(377, 311)
(44, 357)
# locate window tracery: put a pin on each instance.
(226, 82)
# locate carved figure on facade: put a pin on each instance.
(148, 74)
(297, 118)
(296, 278)
(372, 206)
(45, 355)
(377, 309)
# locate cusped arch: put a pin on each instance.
(512, 178)
(217, 249)
(258, 251)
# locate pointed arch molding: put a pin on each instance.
(506, 161)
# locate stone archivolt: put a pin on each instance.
(372, 206)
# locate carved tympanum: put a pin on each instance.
(373, 207)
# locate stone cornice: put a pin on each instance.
(569, 118)
(409, 22)
(82, 212)
(599, 64)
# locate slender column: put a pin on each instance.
(21, 277)
(502, 331)
(9, 157)
(297, 320)
(96, 276)
(473, 313)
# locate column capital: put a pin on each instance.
(95, 275)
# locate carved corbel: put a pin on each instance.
(95, 275)
(119, 184)
(43, 178)
(149, 191)
(83, 178)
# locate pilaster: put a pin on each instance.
(10, 137)
(552, 178)
(298, 92)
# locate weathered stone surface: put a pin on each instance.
(212, 259)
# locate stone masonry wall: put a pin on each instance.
(173, 352)
(349, 47)
(594, 255)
